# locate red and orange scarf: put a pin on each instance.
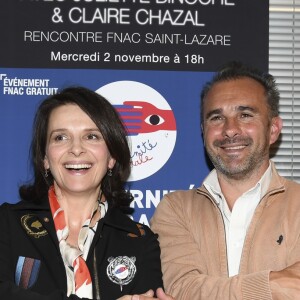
(78, 274)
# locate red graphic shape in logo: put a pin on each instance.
(143, 117)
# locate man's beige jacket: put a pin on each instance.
(193, 244)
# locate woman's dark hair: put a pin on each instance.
(103, 114)
(236, 70)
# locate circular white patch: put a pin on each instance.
(150, 123)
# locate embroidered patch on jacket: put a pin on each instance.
(33, 226)
(27, 271)
(141, 229)
(121, 270)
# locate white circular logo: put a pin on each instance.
(121, 269)
(150, 123)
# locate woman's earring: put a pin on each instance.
(46, 172)
(109, 172)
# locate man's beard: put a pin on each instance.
(246, 166)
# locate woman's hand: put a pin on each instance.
(148, 296)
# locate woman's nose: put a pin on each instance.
(76, 147)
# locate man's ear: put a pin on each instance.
(202, 133)
(276, 126)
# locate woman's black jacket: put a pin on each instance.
(124, 257)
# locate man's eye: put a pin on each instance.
(244, 115)
(215, 118)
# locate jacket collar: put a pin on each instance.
(276, 184)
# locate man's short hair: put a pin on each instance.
(236, 70)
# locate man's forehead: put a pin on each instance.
(245, 90)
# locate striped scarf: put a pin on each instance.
(78, 276)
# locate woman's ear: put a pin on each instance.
(46, 163)
(111, 163)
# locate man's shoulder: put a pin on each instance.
(183, 199)
(286, 183)
(186, 195)
(182, 206)
(291, 183)
(291, 187)
(284, 190)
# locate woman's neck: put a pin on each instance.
(77, 207)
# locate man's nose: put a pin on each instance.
(231, 127)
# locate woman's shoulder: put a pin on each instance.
(7, 207)
(7, 210)
(117, 219)
(143, 229)
(18, 204)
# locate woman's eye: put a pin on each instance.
(60, 137)
(93, 136)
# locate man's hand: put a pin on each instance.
(148, 296)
